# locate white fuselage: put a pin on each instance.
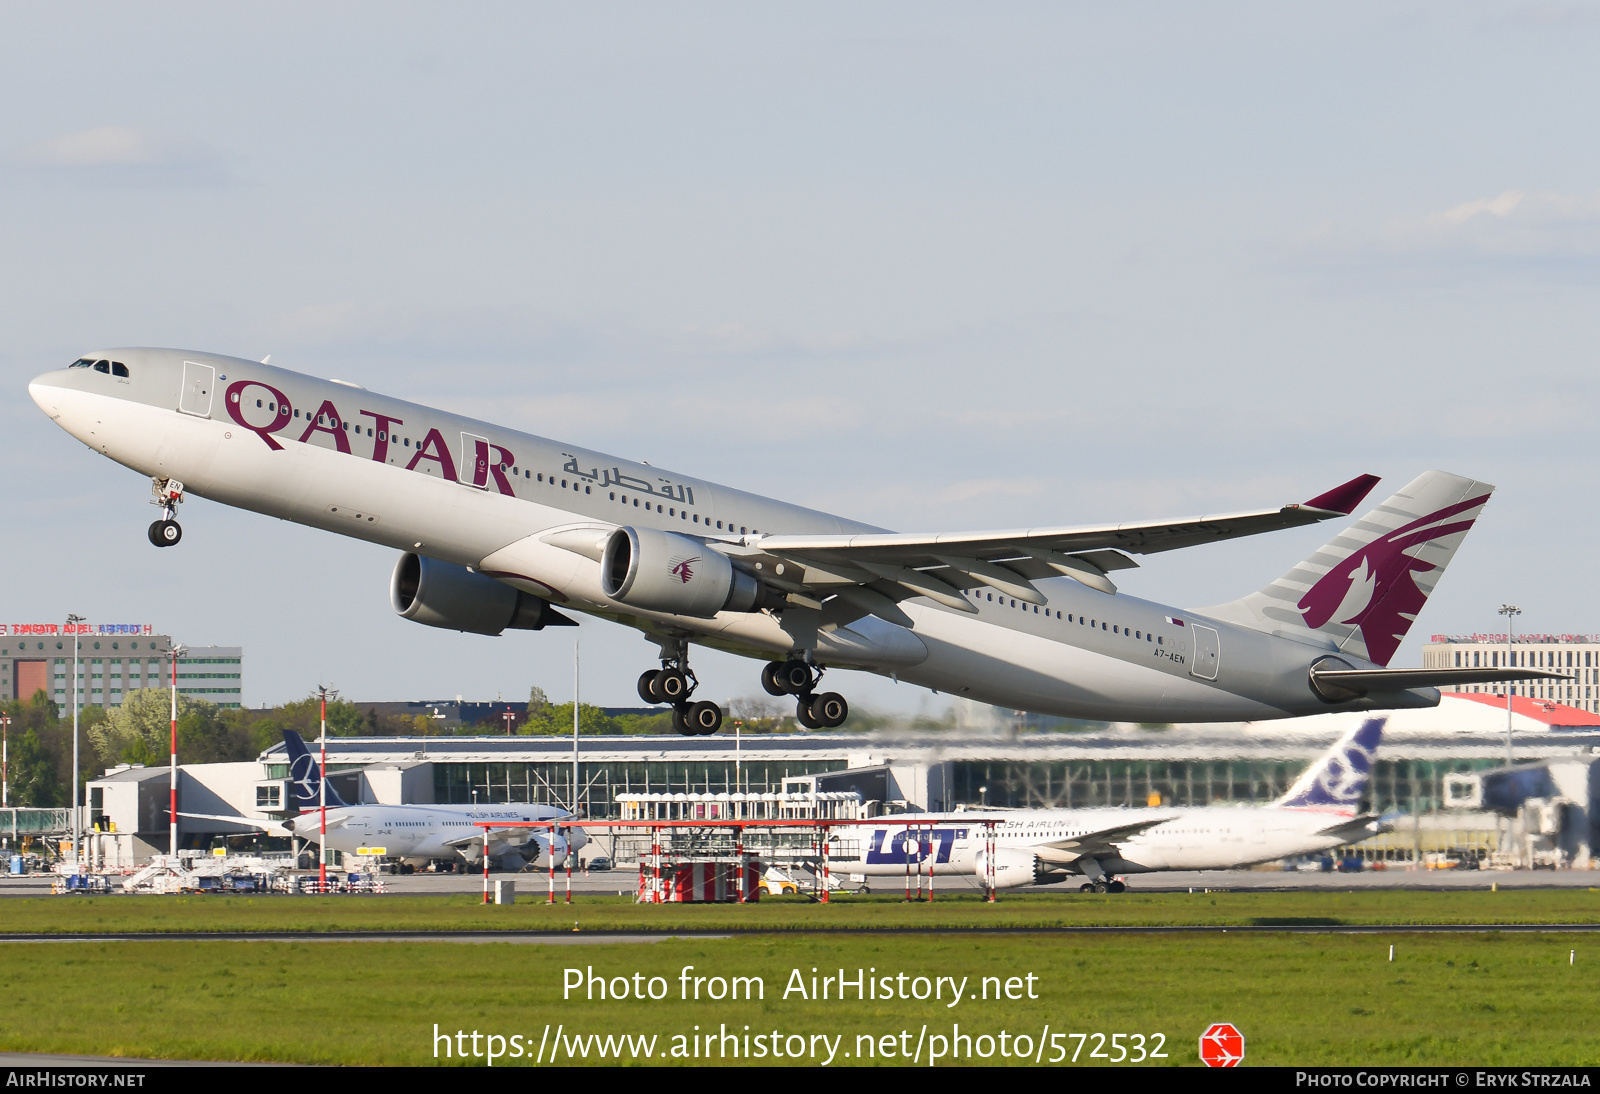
(391, 474)
(436, 831)
(1203, 838)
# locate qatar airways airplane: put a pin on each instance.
(497, 528)
(1044, 846)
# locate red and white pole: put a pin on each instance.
(551, 835)
(322, 795)
(905, 848)
(172, 780)
(825, 864)
(569, 866)
(988, 870)
(744, 867)
(485, 865)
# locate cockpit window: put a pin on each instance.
(82, 362)
(118, 368)
(102, 366)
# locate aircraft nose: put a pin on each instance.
(46, 391)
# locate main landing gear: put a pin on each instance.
(1104, 885)
(166, 532)
(674, 682)
(825, 711)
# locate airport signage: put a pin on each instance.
(1486, 638)
(69, 629)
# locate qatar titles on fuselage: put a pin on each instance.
(1022, 619)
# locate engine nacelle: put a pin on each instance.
(1012, 868)
(664, 572)
(442, 594)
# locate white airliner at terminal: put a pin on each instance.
(498, 530)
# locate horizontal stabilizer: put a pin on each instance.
(1342, 685)
(1356, 828)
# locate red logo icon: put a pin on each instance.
(681, 568)
(1222, 1045)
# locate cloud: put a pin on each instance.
(126, 155)
(1513, 224)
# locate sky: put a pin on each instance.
(930, 266)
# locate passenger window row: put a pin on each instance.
(1114, 628)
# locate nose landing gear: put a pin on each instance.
(168, 494)
(825, 711)
(674, 682)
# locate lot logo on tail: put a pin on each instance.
(1374, 587)
(1338, 780)
(1222, 1045)
(304, 774)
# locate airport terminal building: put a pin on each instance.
(113, 660)
(1575, 655)
(1432, 764)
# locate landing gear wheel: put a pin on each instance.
(673, 685)
(769, 678)
(165, 533)
(1086, 887)
(1100, 886)
(794, 677)
(803, 715)
(647, 686)
(1116, 887)
(830, 709)
(680, 720)
(704, 718)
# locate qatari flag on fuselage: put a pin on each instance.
(1175, 621)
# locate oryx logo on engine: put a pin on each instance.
(682, 568)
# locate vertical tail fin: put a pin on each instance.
(1337, 781)
(303, 771)
(1361, 592)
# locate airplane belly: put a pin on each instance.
(974, 659)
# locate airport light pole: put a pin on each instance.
(5, 761)
(172, 834)
(509, 718)
(1510, 611)
(77, 834)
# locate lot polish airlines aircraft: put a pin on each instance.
(416, 834)
(1040, 846)
(497, 527)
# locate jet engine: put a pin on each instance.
(442, 594)
(1012, 868)
(664, 572)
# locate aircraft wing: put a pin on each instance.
(1103, 843)
(517, 835)
(868, 574)
(275, 827)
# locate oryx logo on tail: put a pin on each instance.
(1374, 588)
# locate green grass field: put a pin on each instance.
(467, 913)
(1479, 998)
(1300, 999)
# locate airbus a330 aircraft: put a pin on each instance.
(498, 527)
(416, 834)
(1041, 846)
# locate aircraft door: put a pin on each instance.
(1207, 652)
(195, 396)
(475, 461)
